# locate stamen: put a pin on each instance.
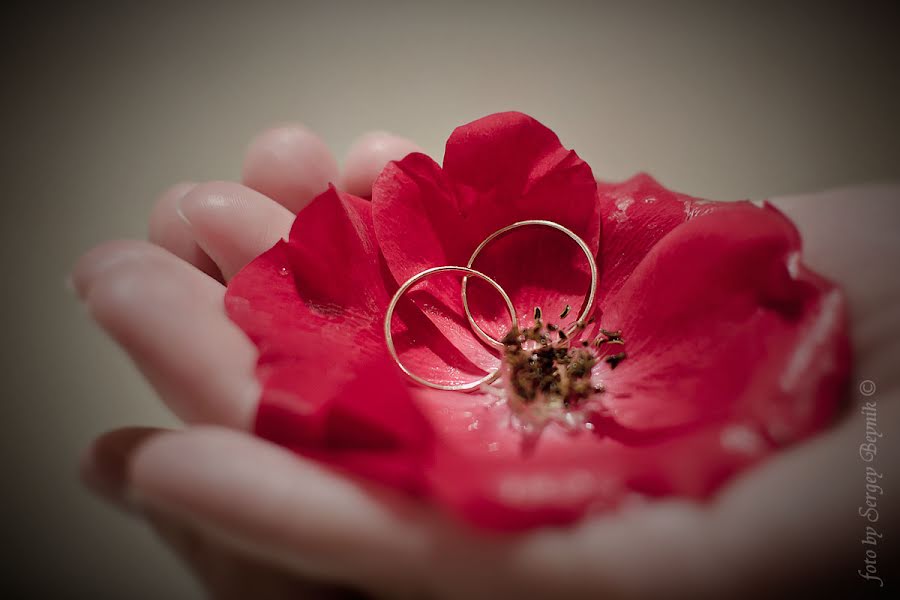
(552, 382)
(615, 359)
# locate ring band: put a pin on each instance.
(589, 301)
(468, 272)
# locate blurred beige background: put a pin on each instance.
(105, 107)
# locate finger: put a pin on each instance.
(105, 470)
(292, 512)
(289, 164)
(265, 500)
(782, 526)
(765, 530)
(232, 223)
(295, 513)
(105, 464)
(367, 157)
(168, 230)
(229, 575)
(170, 318)
(795, 510)
(787, 523)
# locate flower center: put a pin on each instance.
(549, 374)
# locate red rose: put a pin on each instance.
(734, 348)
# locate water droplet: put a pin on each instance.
(571, 421)
(624, 203)
(283, 271)
(473, 425)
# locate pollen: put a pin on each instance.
(549, 376)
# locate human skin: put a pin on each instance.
(252, 519)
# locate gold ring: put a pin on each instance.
(589, 301)
(388, 337)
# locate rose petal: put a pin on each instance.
(714, 318)
(292, 290)
(423, 341)
(335, 257)
(637, 213)
(568, 481)
(501, 169)
(358, 417)
(485, 472)
(734, 347)
(459, 450)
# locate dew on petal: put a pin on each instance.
(621, 214)
(624, 203)
(574, 422)
(283, 271)
(697, 207)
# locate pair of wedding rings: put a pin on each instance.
(467, 272)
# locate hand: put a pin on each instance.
(253, 520)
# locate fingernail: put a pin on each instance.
(212, 197)
(92, 265)
(179, 210)
(177, 193)
(105, 465)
